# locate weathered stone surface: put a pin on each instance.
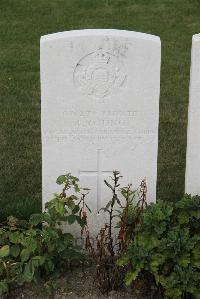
(100, 110)
(192, 181)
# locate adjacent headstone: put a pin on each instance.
(100, 110)
(192, 178)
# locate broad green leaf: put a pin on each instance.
(73, 178)
(122, 261)
(71, 204)
(4, 251)
(80, 221)
(30, 243)
(131, 276)
(76, 188)
(15, 237)
(73, 197)
(195, 214)
(28, 271)
(71, 219)
(35, 219)
(156, 261)
(183, 217)
(147, 241)
(61, 179)
(76, 209)
(15, 250)
(196, 263)
(37, 261)
(25, 254)
(60, 207)
(185, 260)
(47, 218)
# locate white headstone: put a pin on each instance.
(100, 110)
(192, 178)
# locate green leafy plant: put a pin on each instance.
(114, 236)
(38, 247)
(167, 246)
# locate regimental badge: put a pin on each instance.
(98, 74)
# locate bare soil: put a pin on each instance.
(73, 284)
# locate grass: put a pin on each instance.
(22, 22)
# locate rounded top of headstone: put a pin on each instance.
(196, 37)
(100, 32)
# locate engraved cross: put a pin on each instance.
(99, 174)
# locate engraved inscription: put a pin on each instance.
(98, 74)
(102, 128)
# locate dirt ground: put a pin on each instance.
(77, 283)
